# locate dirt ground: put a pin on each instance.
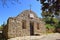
(52, 36)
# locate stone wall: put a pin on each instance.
(14, 25)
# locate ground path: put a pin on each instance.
(52, 36)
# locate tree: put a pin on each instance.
(5, 2)
(1, 28)
(51, 6)
(50, 9)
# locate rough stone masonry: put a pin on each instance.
(27, 23)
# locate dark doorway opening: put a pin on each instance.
(31, 28)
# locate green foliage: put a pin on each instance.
(50, 6)
(55, 20)
(46, 14)
(58, 25)
(47, 20)
(1, 27)
(49, 26)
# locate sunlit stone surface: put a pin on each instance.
(53, 36)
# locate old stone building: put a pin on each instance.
(25, 24)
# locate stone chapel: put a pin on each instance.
(27, 23)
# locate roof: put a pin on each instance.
(28, 11)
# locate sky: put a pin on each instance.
(14, 9)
